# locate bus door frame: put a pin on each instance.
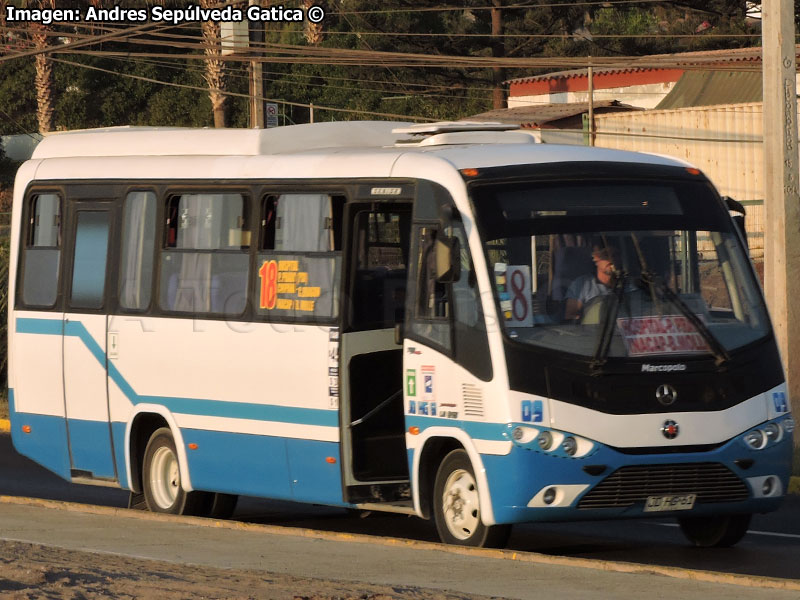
(355, 342)
(85, 335)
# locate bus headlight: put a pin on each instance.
(524, 435)
(570, 446)
(545, 440)
(773, 432)
(788, 424)
(755, 439)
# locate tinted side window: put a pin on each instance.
(42, 250)
(89, 261)
(204, 265)
(307, 222)
(138, 240)
(298, 264)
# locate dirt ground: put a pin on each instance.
(31, 571)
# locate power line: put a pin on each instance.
(418, 93)
(88, 41)
(379, 59)
(283, 79)
(603, 3)
(237, 95)
(11, 119)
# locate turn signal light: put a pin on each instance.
(413, 430)
(26, 428)
(192, 446)
(330, 460)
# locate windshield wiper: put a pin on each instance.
(609, 322)
(656, 284)
(721, 355)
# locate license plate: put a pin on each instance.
(664, 503)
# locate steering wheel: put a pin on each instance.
(593, 310)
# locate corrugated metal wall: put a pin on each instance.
(725, 141)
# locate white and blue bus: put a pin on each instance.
(450, 321)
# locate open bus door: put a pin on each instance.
(372, 417)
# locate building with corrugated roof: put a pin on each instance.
(558, 123)
(656, 81)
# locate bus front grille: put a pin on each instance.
(712, 482)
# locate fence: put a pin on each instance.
(724, 141)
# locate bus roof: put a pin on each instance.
(462, 144)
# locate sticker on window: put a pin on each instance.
(667, 334)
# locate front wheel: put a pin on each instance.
(715, 532)
(161, 478)
(456, 506)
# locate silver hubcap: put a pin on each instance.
(460, 502)
(165, 478)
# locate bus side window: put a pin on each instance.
(471, 341)
(433, 301)
(42, 251)
(298, 263)
(449, 315)
(138, 241)
(430, 319)
(302, 222)
(381, 267)
(204, 264)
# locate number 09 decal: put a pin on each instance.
(269, 284)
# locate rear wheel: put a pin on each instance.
(222, 506)
(456, 506)
(715, 532)
(161, 478)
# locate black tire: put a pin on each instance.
(161, 480)
(715, 532)
(222, 506)
(456, 507)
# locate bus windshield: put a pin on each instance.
(608, 268)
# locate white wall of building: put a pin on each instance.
(643, 96)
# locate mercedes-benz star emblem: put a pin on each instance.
(670, 430)
(666, 394)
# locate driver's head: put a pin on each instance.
(606, 258)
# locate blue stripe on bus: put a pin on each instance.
(192, 406)
(90, 446)
(476, 430)
(118, 439)
(46, 441)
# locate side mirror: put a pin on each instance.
(734, 206)
(447, 214)
(448, 259)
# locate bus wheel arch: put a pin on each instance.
(162, 479)
(142, 428)
(146, 420)
(457, 506)
(431, 456)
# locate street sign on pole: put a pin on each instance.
(272, 115)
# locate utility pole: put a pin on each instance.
(781, 200)
(590, 77)
(498, 50)
(256, 75)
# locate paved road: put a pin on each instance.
(770, 550)
(299, 553)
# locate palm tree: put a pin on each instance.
(44, 71)
(215, 66)
(312, 31)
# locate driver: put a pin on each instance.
(586, 287)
